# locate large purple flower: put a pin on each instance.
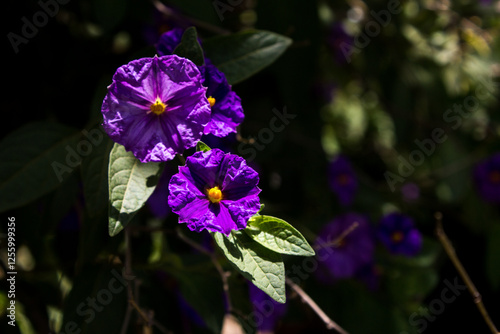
(342, 180)
(487, 178)
(156, 107)
(227, 112)
(343, 247)
(214, 191)
(399, 234)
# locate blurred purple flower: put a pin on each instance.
(410, 192)
(487, 178)
(156, 107)
(342, 180)
(399, 234)
(214, 191)
(343, 248)
(267, 311)
(340, 42)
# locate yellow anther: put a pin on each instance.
(211, 100)
(397, 237)
(214, 194)
(158, 107)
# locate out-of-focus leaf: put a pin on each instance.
(34, 160)
(241, 55)
(97, 301)
(95, 173)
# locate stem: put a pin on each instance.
(128, 271)
(330, 324)
(338, 240)
(224, 275)
(450, 251)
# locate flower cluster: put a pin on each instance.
(161, 106)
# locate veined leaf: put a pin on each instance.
(243, 54)
(130, 185)
(277, 235)
(263, 267)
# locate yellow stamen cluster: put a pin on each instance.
(211, 100)
(158, 107)
(214, 194)
(397, 237)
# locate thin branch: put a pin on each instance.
(224, 275)
(450, 251)
(339, 239)
(330, 324)
(128, 272)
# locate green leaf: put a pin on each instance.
(130, 185)
(95, 174)
(190, 48)
(241, 55)
(34, 160)
(277, 235)
(201, 146)
(263, 267)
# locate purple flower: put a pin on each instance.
(168, 41)
(487, 178)
(156, 107)
(399, 234)
(410, 192)
(214, 191)
(342, 180)
(343, 247)
(340, 43)
(267, 311)
(227, 112)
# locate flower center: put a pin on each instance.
(214, 194)
(495, 176)
(211, 100)
(158, 107)
(397, 237)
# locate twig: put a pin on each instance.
(224, 275)
(128, 272)
(330, 324)
(338, 240)
(450, 251)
